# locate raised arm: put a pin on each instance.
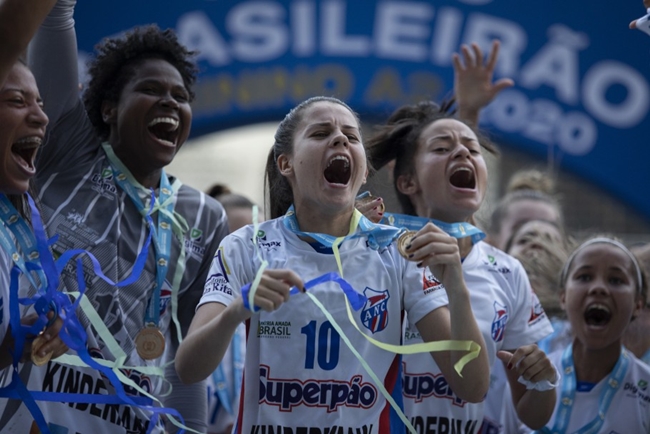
(19, 20)
(473, 85)
(52, 58)
(435, 249)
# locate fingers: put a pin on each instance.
(434, 245)
(467, 57)
(478, 54)
(502, 84)
(494, 55)
(529, 362)
(373, 209)
(633, 25)
(458, 66)
(274, 288)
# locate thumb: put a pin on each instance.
(502, 84)
(504, 356)
(633, 25)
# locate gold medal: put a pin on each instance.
(150, 343)
(38, 360)
(403, 241)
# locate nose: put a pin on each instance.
(598, 287)
(461, 152)
(169, 101)
(340, 139)
(37, 117)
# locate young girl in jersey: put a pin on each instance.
(637, 335)
(440, 174)
(301, 375)
(604, 388)
(23, 128)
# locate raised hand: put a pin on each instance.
(473, 84)
(529, 362)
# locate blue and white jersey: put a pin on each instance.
(629, 411)
(508, 314)
(299, 374)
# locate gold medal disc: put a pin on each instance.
(403, 241)
(150, 343)
(38, 360)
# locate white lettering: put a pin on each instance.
(401, 28)
(556, 64)
(196, 32)
(303, 18)
(577, 133)
(335, 42)
(597, 82)
(258, 34)
(482, 29)
(446, 35)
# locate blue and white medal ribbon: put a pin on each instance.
(456, 230)
(567, 397)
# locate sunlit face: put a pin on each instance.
(328, 165)
(601, 295)
(534, 235)
(520, 212)
(152, 118)
(22, 128)
(450, 178)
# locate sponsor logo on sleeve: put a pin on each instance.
(218, 281)
(536, 311)
(429, 282)
(499, 322)
(374, 315)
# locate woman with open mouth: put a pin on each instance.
(22, 128)
(104, 189)
(440, 175)
(303, 369)
(604, 387)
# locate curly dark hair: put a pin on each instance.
(117, 60)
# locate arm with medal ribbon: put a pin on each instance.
(377, 237)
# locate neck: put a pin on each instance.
(148, 178)
(594, 365)
(315, 220)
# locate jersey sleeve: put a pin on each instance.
(423, 293)
(232, 267)
(529, 322)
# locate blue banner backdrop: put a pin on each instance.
(582, 77)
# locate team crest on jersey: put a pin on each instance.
(218, 281)
(537, 311)
(429, 282)
(499, 322)
(374, 314)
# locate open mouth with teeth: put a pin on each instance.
(24, 151)
(463, 177)
(597, 315)
(165, 130)
(338, 170)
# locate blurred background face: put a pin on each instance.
(534, 235)
(520, 212)
(238, 217)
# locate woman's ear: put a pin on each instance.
(109, 112)
(407, 185)
(285, 165)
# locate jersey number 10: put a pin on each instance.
(327, 346)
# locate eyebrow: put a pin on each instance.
(329, 124)
(448, 136)
(21, 91)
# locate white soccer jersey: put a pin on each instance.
(629, 411)
(300, 376)
(509, 315)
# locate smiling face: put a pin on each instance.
(328, 165)
(601, 295)
(450, 177)
(151, 120)
(23, 128)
